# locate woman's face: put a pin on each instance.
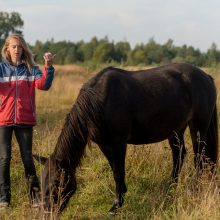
(15, 49)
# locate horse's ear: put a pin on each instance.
(42, 160)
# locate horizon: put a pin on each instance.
(193, 23)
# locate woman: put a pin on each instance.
(19, 76)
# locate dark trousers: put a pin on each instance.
(24, 138)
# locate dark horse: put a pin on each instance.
(118, 107)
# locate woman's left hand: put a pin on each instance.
(48, 58)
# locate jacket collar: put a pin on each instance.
(9, 63)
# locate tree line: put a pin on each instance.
(99, 51)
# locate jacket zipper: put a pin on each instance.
(31, 102)
(32, 106)
(16, 93)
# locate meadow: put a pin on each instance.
(151, 194)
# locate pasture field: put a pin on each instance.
(151, 195)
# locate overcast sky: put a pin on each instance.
(192, 22)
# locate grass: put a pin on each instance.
(150, 194)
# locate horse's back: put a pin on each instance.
(148, 105)
(111, 77)
(144, 87)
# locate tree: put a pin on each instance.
(88, 49)
(213, 55)
(168, 51)
(138, 55)
(153, 52)
(122, 50)
(10, 23)
(104, 52)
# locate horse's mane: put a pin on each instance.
(80, 128)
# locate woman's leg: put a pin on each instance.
(5, 158)
(24, 138)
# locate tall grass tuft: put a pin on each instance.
(151, 193)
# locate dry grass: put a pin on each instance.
(150, 194)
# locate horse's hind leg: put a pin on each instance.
(199, 148)
(204, 134)
(177, 145)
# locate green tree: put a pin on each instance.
(138, 56)
(213, 55)
(10, 23)
(122, 50)
(168, 52)
(104, 52)
(153, 52)
(88, 49)
(37, 50)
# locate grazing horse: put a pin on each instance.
(118, 107)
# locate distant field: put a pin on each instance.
(148, 168)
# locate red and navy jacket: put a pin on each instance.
(17, 92)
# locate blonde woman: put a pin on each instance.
(19, 76)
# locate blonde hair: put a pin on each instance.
(26, 57)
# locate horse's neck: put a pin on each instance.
(70, 147)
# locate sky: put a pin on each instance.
(192, 22)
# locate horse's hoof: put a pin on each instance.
(116, 205)
(113, 210)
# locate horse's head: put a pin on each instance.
(58, 183)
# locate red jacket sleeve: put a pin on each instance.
(43, 80)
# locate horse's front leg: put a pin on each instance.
(119, 196)
(118, 166)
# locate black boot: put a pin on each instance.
(34, 191)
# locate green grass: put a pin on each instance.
(151, 194)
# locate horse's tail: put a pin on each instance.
(212, 138)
